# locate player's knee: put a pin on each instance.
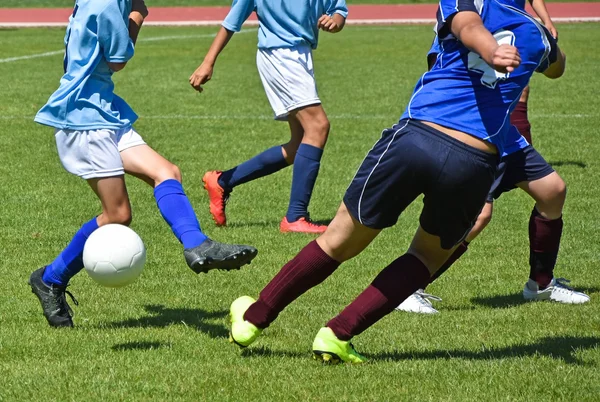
(484, 218)
(120, 215)
(559, 191)
(168, 171)
(317, 131)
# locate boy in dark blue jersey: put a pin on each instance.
(446, 146)
(528, 170)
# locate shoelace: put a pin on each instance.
(424, 298)
(63, 300)
(562, 283)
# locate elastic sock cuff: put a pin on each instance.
(310, 152)
(167, 187)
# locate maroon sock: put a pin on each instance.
(391, 287)
(519, 119)
(544, 242)
(309, 268)
(460, 250)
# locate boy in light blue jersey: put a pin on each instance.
(96, 141)
(288, 31)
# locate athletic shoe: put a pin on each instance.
(52, 298)
(419, 303)
(218, 196)
(214, 255)
(302, 225)
(557, 291)
(242, 332)
(329, 349)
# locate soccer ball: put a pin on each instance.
(114, 255)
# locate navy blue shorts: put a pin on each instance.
(410, 159)
(524, 165)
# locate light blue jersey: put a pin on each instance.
(481, 99)
(284, 23)
(97, 34)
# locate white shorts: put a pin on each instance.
(288, 78)
(93, 154)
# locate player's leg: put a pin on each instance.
(371, 203)
(519, 116)
(201, 253)
(307, 163)
(94, 156)
(545, 230)
(456, 188)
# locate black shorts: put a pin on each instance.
(524, 165)
(410, 159)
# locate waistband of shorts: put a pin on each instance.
(453, 142)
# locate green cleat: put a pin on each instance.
(242, 332)
(329, 349)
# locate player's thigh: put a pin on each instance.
(549, 193)
(145, 163)
(113, 196)
(391, 177)
(451, 206)
(346, 237)
(428, 248)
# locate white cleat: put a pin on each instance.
(557, 291)
(419, 303)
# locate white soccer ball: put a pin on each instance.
(114, 255)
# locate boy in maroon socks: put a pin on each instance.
(446, 146)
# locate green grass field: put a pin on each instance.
(201, 3)
(165, 337)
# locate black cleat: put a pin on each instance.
(214, 255)
(52, 297)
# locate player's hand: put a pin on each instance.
(201, 76)
(505, 59)
(550, 26)
(140, 7)
(327, 23)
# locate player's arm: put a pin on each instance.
(139, 12)
(239, 13)
(553, 65)
(539, 6)
(468, 28)
(204, 72)
(334, 19)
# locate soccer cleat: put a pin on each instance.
(218, 196)
(329, 349)
(214, 255)
(302, 225)
(419, 302)
(557, 291)
(242, 333)
(52, 298)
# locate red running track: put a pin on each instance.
(365, 14)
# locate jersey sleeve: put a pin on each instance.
(113, 35)
(239, 13)
(338, 7)
(551, 54)
(448, 8)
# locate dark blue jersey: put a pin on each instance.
(463, 92)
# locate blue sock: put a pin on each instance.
(177, 211)
(263, 164)
(306, 169)
(70, 261)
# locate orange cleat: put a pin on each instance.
(302, 225)
(218, 196)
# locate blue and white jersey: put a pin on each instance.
(98, 33)
(463, 92)
(284, 23)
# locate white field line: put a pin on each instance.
(375, 21)
(333, 117)
(150, 39)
